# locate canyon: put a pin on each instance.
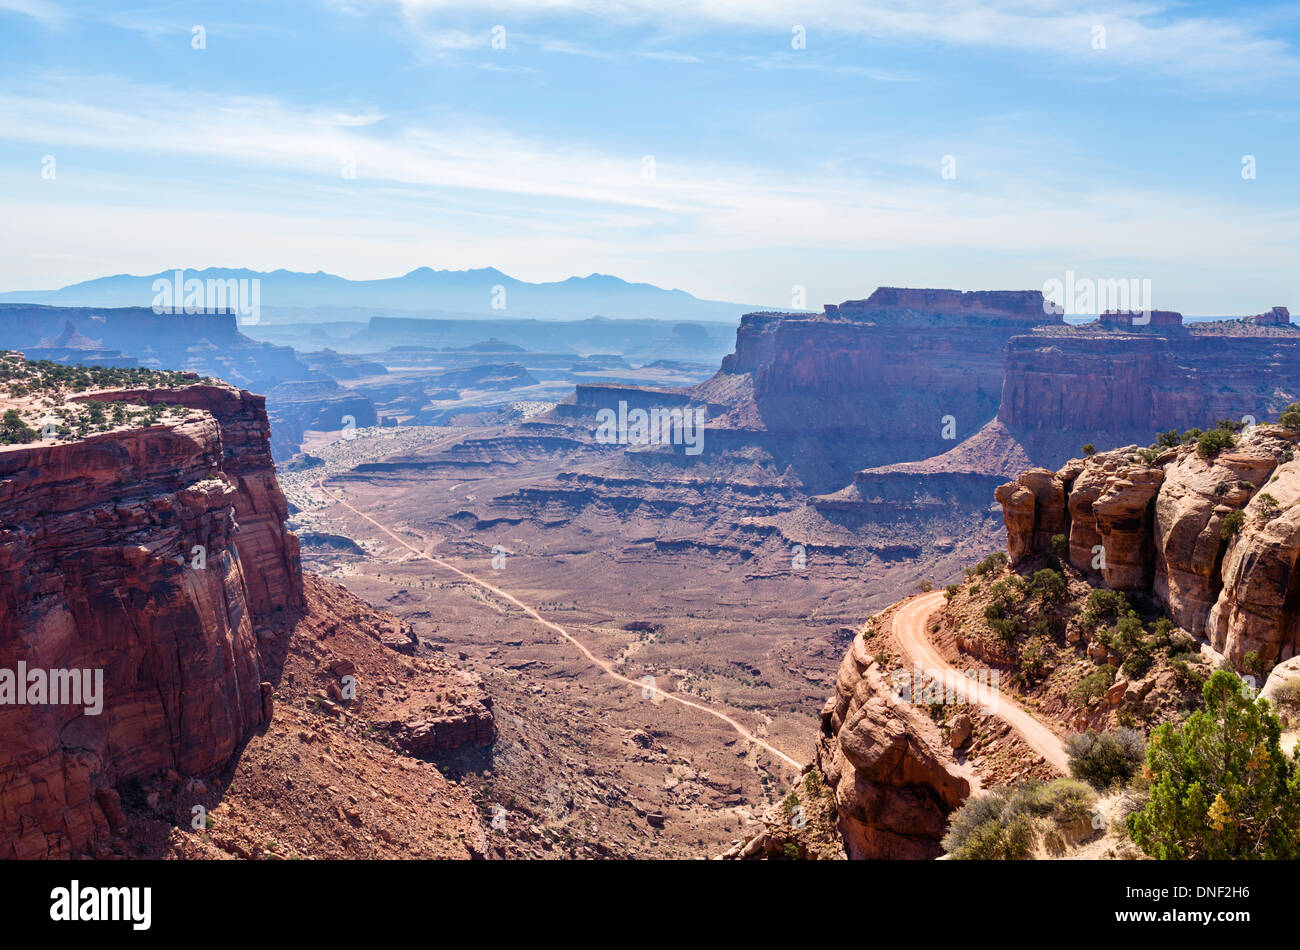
(847, 457)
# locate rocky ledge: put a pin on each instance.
(1216, 540)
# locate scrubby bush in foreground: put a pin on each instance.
(1006, 823)
(1221, 787)
(1106, 759)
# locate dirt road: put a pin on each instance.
(911, 622)
(604, 665)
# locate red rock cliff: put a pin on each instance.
(99, 571)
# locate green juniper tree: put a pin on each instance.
(1221, 787)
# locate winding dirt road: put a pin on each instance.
(911, 621)
(604, 665)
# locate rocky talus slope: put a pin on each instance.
(1169, 527)
(155, 556)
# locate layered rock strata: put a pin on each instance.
(141, 561)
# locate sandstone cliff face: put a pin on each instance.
(1161, 527)
(1064, 388)
(899, 377)
(269, 553)
(147, 554)
(892, 790)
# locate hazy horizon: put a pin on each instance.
(734, 153)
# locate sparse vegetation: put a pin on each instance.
(14, 430)
(1231, 524)
(1214, 441)
(1006, 823)
(1049, 585)
(1094, 685)
(1266, 507)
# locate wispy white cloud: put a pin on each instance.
(37, 9)
(480, 172)
(1159, 36)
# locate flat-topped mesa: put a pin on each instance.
(1023, 307)
(1276, 317)
(1139, 320)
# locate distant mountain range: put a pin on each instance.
(486, 292)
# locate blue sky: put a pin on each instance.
(773, 167)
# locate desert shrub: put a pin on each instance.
(1168, 440)
(1290, 419)
(1001, 824)
(1033, 658)
(1005, 629)
(1126, 636)
(1105, 759)
(1221, 786)
(1047, 627)
(1288, 694)
(1213, 441)
(984, 829)
(1137, 662)
(1188, 675)
(925, 586)
(1266, 507)
(1094, 685)
(1067, 801)
(1049, 585)
(991, 564)
(1103, 605)
(1059, 544)
(1089, 449)
(1252, 664)
(14, 430)
(1162, 635)
(951, 591)
(1231, 524)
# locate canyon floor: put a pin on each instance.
(732, 628)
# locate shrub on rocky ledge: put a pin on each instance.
(1106, 759)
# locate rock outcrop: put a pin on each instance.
(893, 789)
(146, 558)
(1163, 526)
